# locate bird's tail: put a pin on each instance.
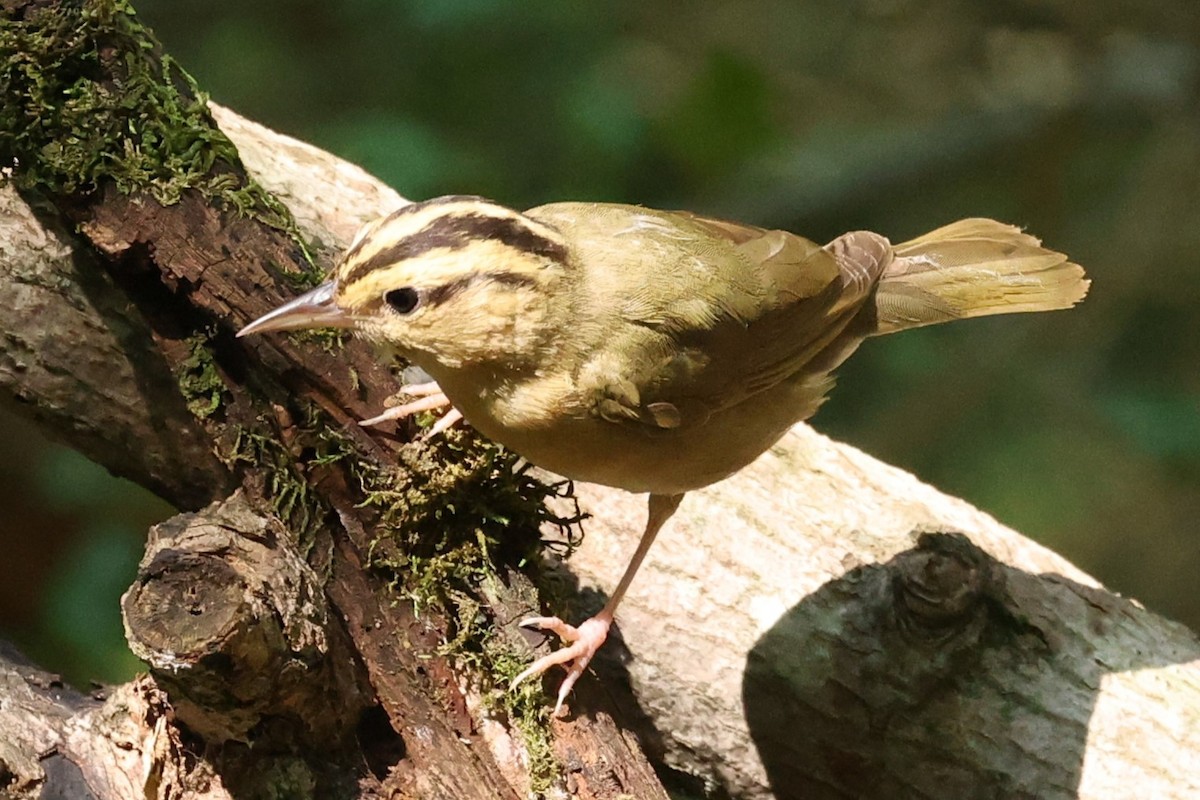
(973, 268)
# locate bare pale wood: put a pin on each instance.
(773, 641)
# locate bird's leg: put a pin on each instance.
(586, 639)
(430, 397)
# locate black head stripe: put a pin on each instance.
(506, 278)
(519, 236)
(413, 208)
(440, 294)
(455, 231)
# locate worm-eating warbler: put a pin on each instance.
(652, 351)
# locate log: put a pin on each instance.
(825, 625)
(820, 625)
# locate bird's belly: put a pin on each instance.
(662, 463)
(645, 459)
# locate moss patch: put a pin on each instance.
(453, 519)
(527, 707)
(455, 516)
(89, 98)
(284, 486)
(199, 379)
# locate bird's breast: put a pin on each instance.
(634, 456)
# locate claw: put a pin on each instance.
(585, 641)
(430, 397)
(447, 420)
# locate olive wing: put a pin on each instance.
(703, 313)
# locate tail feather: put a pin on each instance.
(973, 268)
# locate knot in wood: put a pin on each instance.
(939, 585)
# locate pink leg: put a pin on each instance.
(586, 639)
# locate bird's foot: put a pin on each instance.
(585, 641)
(429, 397)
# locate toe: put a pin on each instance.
(427, 403)
(585, 641)
(567, 685)
(568, 633)
(546, 662)
(446, 421)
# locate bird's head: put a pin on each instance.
(459, 280)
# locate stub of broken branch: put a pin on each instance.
(236, 627)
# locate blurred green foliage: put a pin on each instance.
(1078, 121)
(72, 537)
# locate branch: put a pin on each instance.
(820, 625)
(80, 362)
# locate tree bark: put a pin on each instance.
(820, 625)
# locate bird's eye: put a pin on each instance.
(405, 300)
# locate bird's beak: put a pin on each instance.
(315, 309)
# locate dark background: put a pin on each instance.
(1079, 121)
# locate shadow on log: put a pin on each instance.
(939, 673)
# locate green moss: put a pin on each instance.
(449, 511)
(89, 100)
(454, 519)
(284, 486)
(455, 516)
(199, 379)
(328, 339)
(527, 707)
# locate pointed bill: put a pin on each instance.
(315, 309)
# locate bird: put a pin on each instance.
(654, 351)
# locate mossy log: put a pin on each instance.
(820, 625)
